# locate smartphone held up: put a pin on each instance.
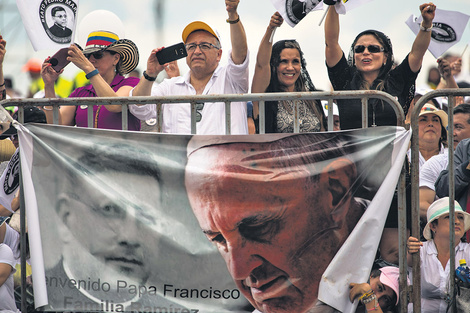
(171, 53)
(59, 60)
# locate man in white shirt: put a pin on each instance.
(206, 76)
(432, 168)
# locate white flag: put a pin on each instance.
(345, 5)
(293, 11)
(448, 27)
(49, 24)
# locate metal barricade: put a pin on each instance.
(451, 95)
(365, 95)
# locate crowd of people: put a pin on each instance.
(107, 63)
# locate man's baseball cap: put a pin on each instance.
(198, 25)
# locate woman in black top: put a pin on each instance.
(370, 66)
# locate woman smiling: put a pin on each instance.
(370, 66)
(282, 68)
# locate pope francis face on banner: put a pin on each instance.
(277, 212)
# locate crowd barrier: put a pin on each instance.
(451, 95)
(407, 292)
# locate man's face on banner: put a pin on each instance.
(60, 18)
(113, 232)
(277, 234)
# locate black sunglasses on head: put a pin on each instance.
(97, 55)
(371, 49)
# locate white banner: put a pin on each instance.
(147, 222)
(50, 24)
(448, 28)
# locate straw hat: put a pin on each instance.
(430, 109)
(439, 208)
(102, 40)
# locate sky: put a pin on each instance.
(141, 26)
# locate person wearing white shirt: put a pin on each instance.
(206, 77)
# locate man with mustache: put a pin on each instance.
(206, 77)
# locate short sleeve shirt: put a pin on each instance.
(7, 295)
(106, 119)
(431, 169)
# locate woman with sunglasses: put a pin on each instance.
(370, 66)
(105, 60)
(282, 68)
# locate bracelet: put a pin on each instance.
(234, 21)
(92, 73)
(425, 29)
(366, 294)
(369, 298)
(2, 84)
(376, 306)
(149, 78)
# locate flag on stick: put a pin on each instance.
(49, 24)
(448, 27)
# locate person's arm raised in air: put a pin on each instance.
(237, 32)
(262, 75)
(423, 38)
(66, 113)
(144, 87)
(333, 52)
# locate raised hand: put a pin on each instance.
(276, 20)
(428, 12)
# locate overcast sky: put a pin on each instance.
(139, 21)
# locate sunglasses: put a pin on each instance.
(371, 49)
(97, 55)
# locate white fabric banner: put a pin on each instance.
(50, 24)
(361, 246)
(146, 222)
(448, 28)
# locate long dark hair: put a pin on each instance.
(384, 70)
(303, 83)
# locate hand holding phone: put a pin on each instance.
(171, 53)
(59, 60)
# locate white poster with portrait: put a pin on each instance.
(49, 24)
(149, 222)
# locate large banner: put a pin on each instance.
(147, 222)
(49, 24)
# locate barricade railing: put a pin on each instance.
(451, 95)
(364, 95)
(261, 98)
